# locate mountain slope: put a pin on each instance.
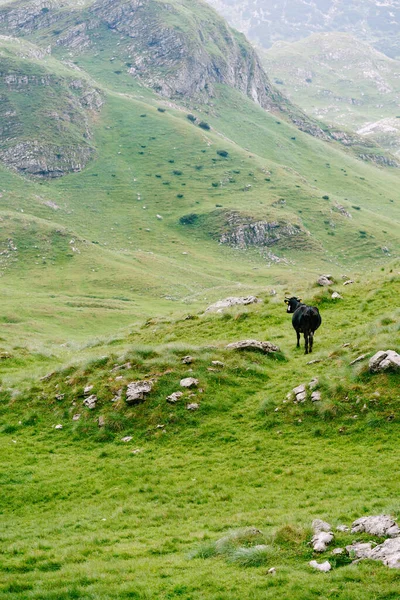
(266, 22)
(342, 81)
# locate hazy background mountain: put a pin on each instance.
(267, 21)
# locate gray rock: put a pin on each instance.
(127, 438)
(193, 406)
(321, 540)
(217, 363)
(388, 553)
(358, 359)
(101, 421)
(76, 417)
(324, 567)
(265, 347)
(316, 396)
(301, 397)
(117, 396)
(348, 282)
(384, 360)
(187, 360)
(300, 389)
(272, 571)
(221, 305)
(313, 383)
(137, 391)
(319, 525)
(336, 296)
(174, 398)
(189, 382)
(359, 550)
(87, 390)
(58, 427)
(380, 525)
(90, 402)
(342, 528)
(338, 551)
(324, 281)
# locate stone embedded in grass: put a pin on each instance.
(121, 367)
(320, 525)
(193, 406)
(136, 451)
(217, 363)
(187, 360)
(384, 361)
(358, 359)
(101, 421)
(324, 280)
(126, 439)
(359, 550)
(117, 396)
(58, 427)
(338, 551)
(272, 571)
(76, 417)
(324, 567)
(137, 391)
(388, 553)
(342, 528)
(174, 398)
(377, 525)
(321, 540)
(219, 306)
(189, 382)
(60, 396)
(348, 282)
(336, 296)
(90, 402)
(265, 347)
(87, 390)
(316, 396)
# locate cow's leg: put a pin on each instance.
(306, 339)
(311, 340)
(298, 338)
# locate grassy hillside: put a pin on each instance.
(140, 519)
(342, 81)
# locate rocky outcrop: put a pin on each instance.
(232, 301)
(242, 231)
(137, 391)
(265, 347)
(45, 160)
(381, 525)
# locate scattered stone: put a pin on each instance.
(348, 282)
(265, 347)
(121, 367)
(58, 427)
(174, 398)
(342, 528)
(126, 439)
(321, 540)
(359, 550)
(313, 362)
(324, 567)
(388, 553)
(324, 280)
(319, 525)
(90, 402)
(160, 427)
(187, 360)
(228, 302)
(384, 360)
(101, 421)
(336, 296)
(313, 383)
(217, 363)
(60, 396)
(377, 525)
(87, 390)
(137, 391)
(338, 551)
(189, 382)
(272, 571)
(137, 451)
(300, 393)
(347, 345)
(48, 376)
(76, 417)
(192, 406)
(315, 396)
(117, 396)
(358, 359)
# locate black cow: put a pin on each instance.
(306, 319)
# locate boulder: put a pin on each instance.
(324, 280)
(189, 382)
(90, 402)
(137, 391)
(380, 525)
(221, 305)
(324, 567)
(174, 398)
(384, 360)
(265, 347)
(388, 553)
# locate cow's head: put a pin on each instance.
(292, 303)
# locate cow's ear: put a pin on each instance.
(299, 299)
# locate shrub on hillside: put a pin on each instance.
(204, 125)
(189, 219)
(191, 118)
